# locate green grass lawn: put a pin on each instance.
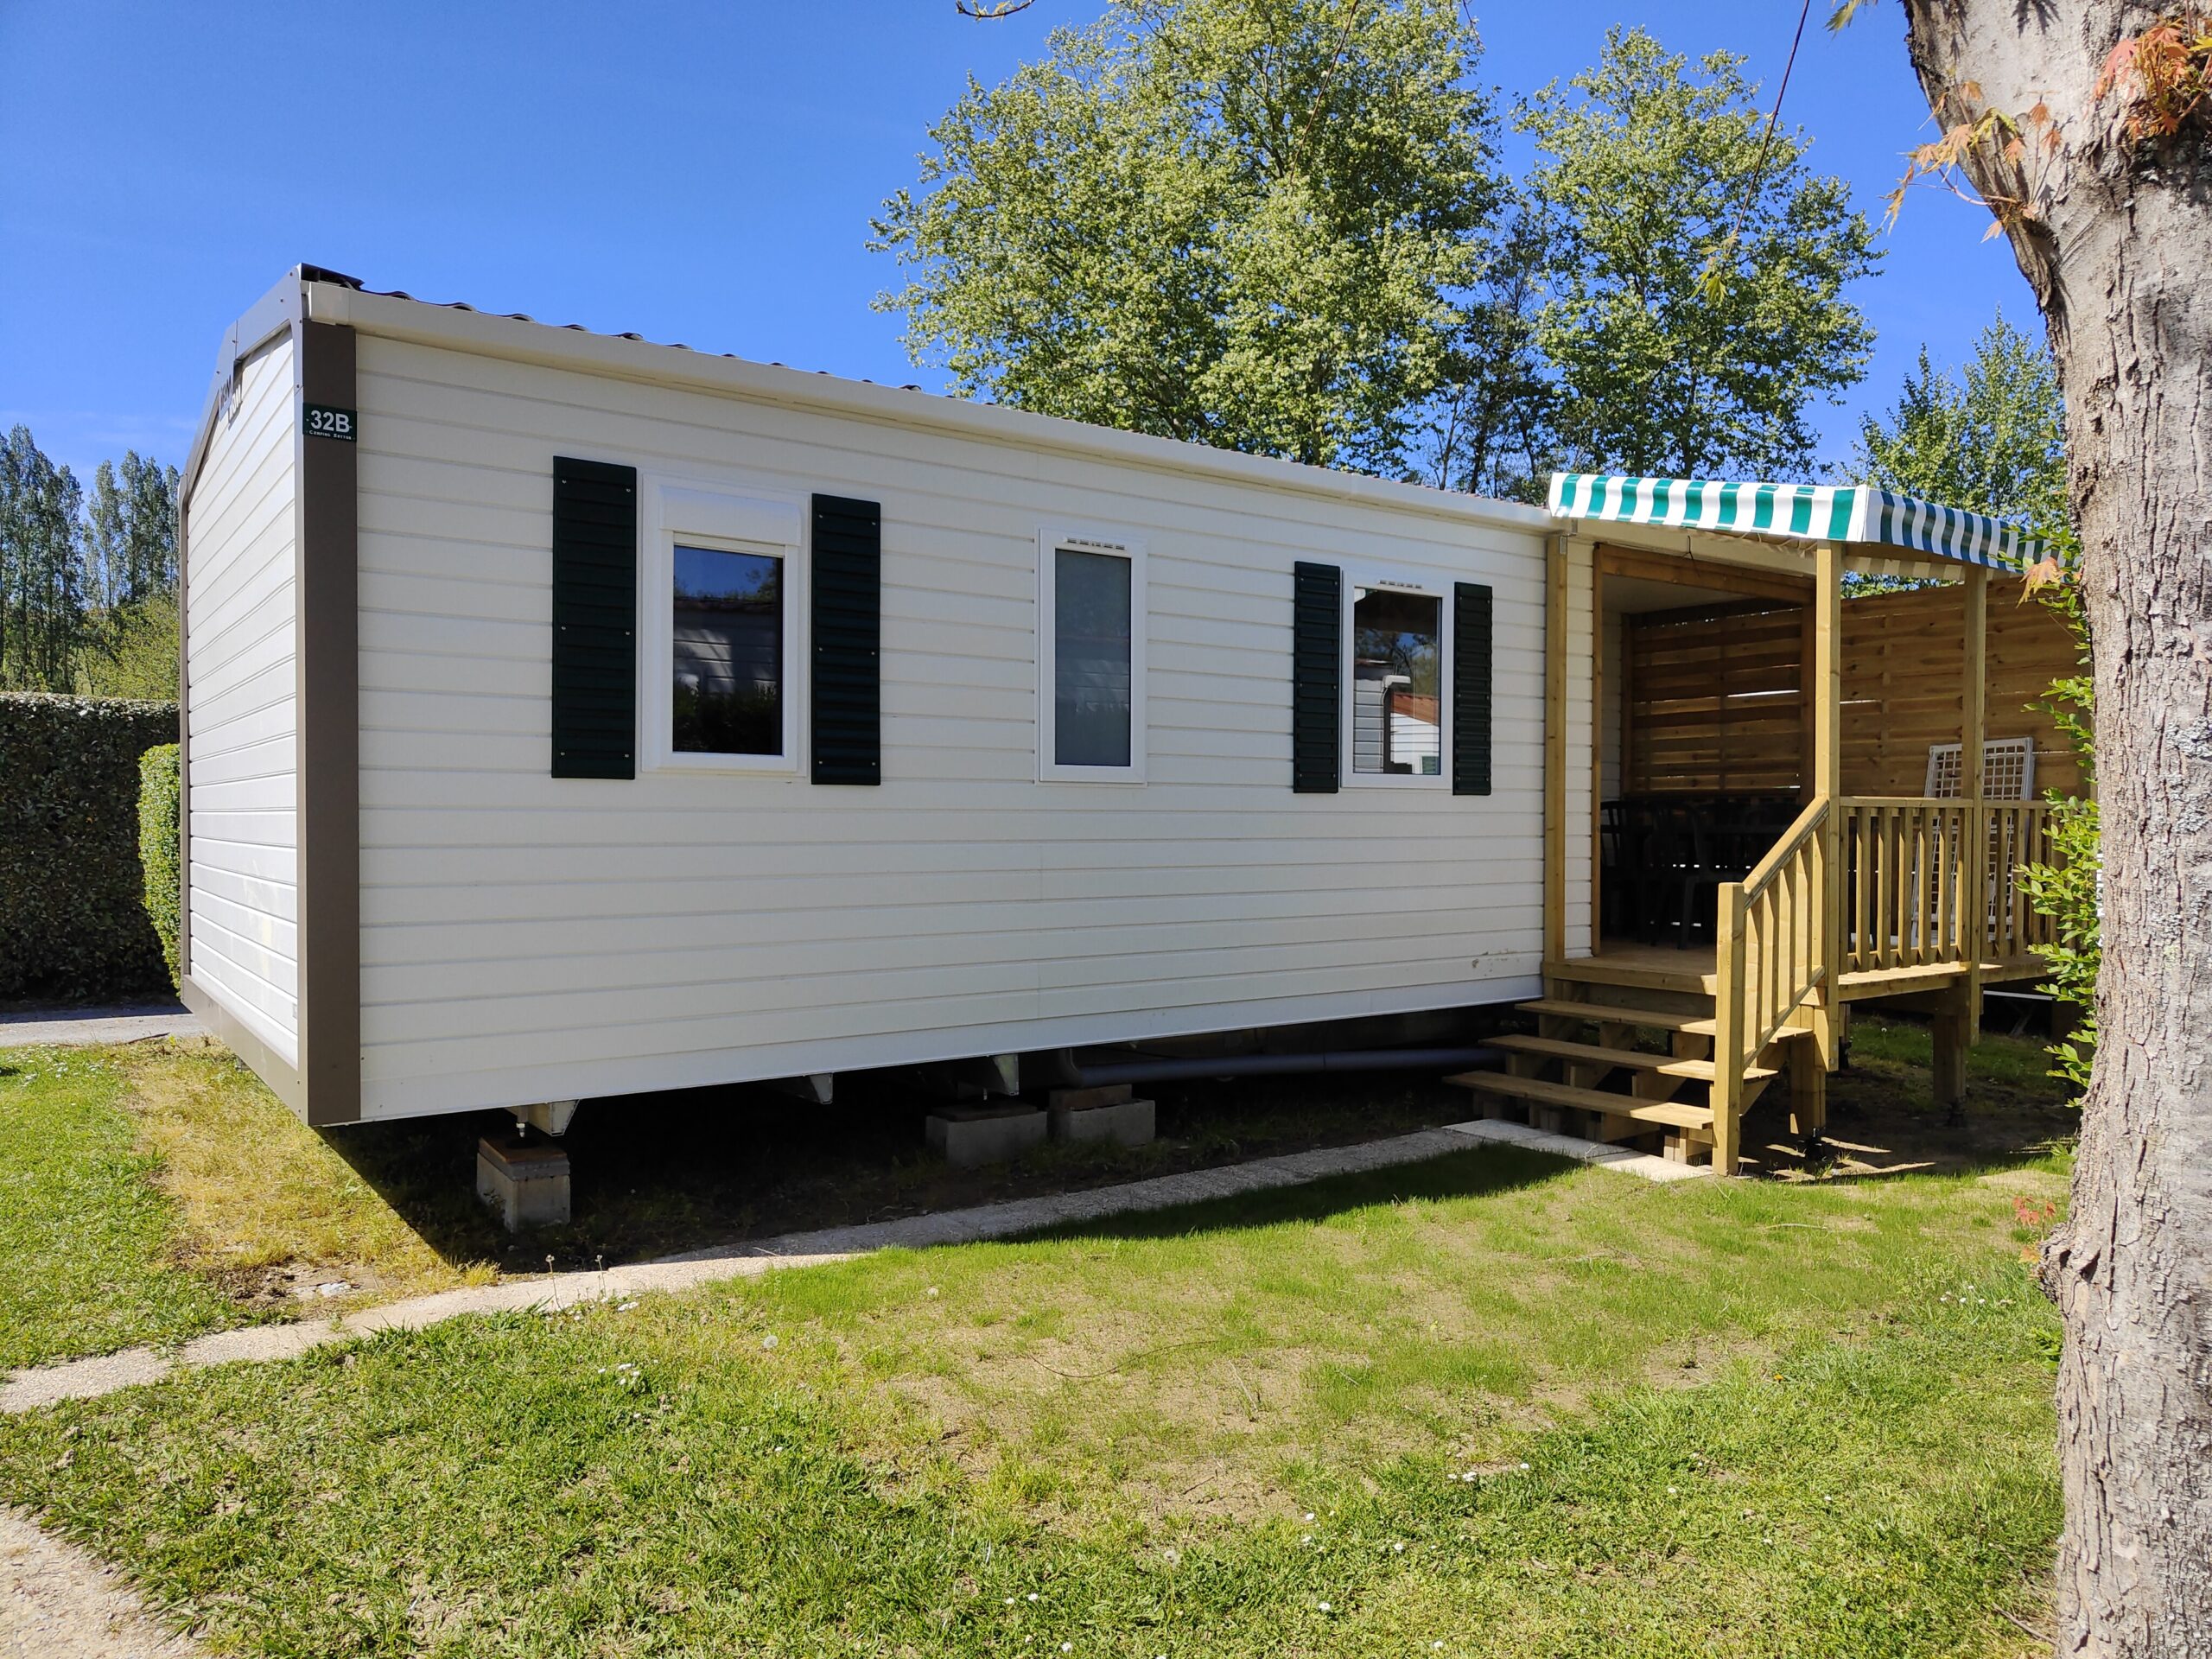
(85, 1233)
(1492, 1401)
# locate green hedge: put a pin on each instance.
(72, 915)
(160, 843)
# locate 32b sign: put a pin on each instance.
(323, 420)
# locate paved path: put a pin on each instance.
(58, 1602)
(129, 1022)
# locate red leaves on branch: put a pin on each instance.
(2163, 76)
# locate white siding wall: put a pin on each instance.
(526, 937)
(243, 712)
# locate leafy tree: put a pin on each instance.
(132, 652)
(1489, 430)
(130, 533)
(1241, 222)
(1696, 304)
(130, 636)
(1991, 440)
(42, 604)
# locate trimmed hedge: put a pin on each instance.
(72, 915)
(160, 843)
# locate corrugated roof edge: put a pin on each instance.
(333, 297)
(518, 336)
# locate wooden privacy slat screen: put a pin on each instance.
(1712, 700)
(1903, 655)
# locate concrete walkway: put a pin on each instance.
(84, 1379)
(56, 1602)
(122, 1022)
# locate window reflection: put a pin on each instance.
(729, 656)
(1090, 658)
(1397, 715)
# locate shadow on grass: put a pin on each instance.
(659, 1174)
(1480, 1171)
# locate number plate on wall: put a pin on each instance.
(323, 421)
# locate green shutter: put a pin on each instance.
(594, 620)
(1471, 694)
(848, 599)
(1317, 679)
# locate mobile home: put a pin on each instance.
(569, 715)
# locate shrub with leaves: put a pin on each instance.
(72, 916)
(2069, 888)
(160, 843)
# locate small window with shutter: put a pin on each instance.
(1396, 675)
(724, 593)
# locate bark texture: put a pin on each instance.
(2118, 245)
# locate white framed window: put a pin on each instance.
(1397, 691)
(1090, 640)
(722, 589)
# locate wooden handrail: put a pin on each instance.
(1795, 835)
(1771, 952)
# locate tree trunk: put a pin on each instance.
(2117, 241)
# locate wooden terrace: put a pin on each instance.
(1739, 668)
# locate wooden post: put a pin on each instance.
(1808, 1087)
(1950, 1033)
(1555, 748)
(1973, 700)
(1596, 758)
(1824, 688)
(1728, 1037)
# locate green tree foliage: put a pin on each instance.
(1489, 429)
(1696, 291)
(130, 533)
(41, 599)
(130, 648)
(1990, 438)
(1246, 223)
(87, 588)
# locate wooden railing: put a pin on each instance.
(1904, 871)
(1935, 883)
(1772, 933)
(1861, 884)
(2019, 833)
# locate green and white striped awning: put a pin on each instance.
(1855, 514)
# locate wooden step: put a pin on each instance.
(1666, 1066)
(1644, 1019)
(1675, 1113)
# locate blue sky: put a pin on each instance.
(701, 173)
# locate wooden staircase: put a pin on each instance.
(1591, 1069)
(1620, 1063)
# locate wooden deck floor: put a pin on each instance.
(1631, 962)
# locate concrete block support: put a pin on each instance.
(526, 1181)
(968, 1135)
(1111, 1114)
